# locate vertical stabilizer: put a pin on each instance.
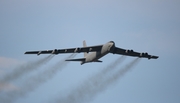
(84, 45)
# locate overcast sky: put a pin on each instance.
(151, 26)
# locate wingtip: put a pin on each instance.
(155, 57)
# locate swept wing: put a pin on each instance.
(69, 50)
(132, 53)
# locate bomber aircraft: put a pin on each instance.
(97, 52)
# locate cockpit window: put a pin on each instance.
(111, 41)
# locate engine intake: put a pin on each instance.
(142, 54)
(129, 51)
(146, 54)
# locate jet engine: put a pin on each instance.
(54, 51)
(146, 54)
(143, 54)
(77, 50)
(39, 53)
(129, 51)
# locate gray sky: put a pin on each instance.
(142, 25)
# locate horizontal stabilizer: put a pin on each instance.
(80, 59)
(98, 61)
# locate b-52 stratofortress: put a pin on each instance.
(94, 53)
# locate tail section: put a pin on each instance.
(82, 60)
(84, 45)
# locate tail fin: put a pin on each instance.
(84, 45)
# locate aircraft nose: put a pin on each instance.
(111, 46)
(112, 43)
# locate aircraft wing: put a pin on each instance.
(69, 50)
(132, 53)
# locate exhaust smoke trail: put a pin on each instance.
(95, 85)
(35, 81)
(25, 68)
(42, 77)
